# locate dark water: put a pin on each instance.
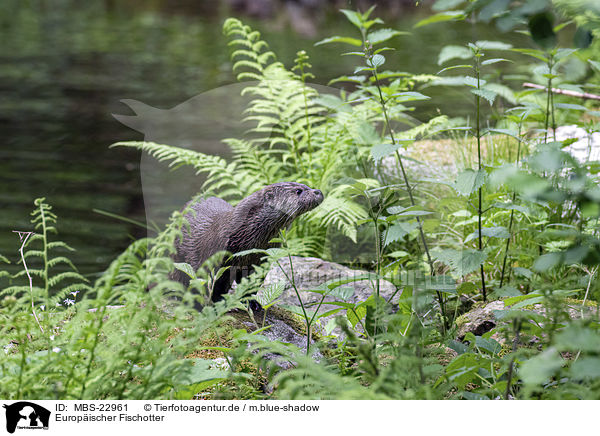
(66, 64)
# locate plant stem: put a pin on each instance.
(411, 197)
(480, 190)
(512, 212)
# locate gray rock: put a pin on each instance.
(479, 320)
(482, 319)
(311, 273)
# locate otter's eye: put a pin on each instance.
(299, 191)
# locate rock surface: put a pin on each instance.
(310, 273)
(482, 319)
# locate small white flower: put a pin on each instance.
(51, 337)
(56, 350)
(69, 302)
(43, 307)
(74, 293)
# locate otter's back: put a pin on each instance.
(206, 235)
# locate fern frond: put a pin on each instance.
(221, 176)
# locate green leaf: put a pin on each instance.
(493, 9)
(468, 181)
(443, 5)
(402, 97)
(458, 81)
(452, 52)
(488, 94)
(382, 35)
(399, 231)
(575, 107)
(270, 294)
(185, 268)
(578, 338)
(356, 314)
(461, 262)
(547, 261)
(463, 369)
(490, 232)
(353, 17)
(442, 16)
(540, 368)
(415, 213)
(508, 132)
(343, 39)
(376, 61)
(490, 345)
(454, 67)
(586, 368)
(494, 61)
(523, 272)
(538, 54)
(595, 64)
(493, 45)
(380, 151)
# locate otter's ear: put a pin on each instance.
(269, 195)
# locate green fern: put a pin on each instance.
(52, 288)
(291, 138)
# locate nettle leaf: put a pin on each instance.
(490, 232)
(185, 268)
(493, 9)
(376, 61)
(575, 337)
(399, 231)
(382, 35)
(442, 5)
(461, 262)
(452, 52)
(595, 64)
(523, 272)
(343, 39)
(538, 54)
(415, 213)
(454, 67)
(458, 81)
(488, 94)
(493, 45)
(463, 370)
(353, 17)
(443, 16)
(547, 261)
(508, 132)
(379, 151)
(494, 61)
(575, 107)
(409, 96)
(540, 368)
(586, 368)
(468, 181)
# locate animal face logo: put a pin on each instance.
(24, 414)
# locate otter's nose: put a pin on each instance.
(318, 194)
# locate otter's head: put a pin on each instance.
(291, 199)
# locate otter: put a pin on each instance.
(215, 225)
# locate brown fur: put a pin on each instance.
(215, 225)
